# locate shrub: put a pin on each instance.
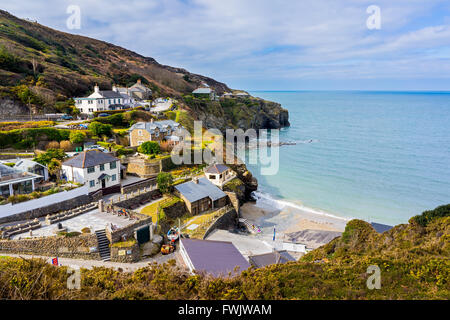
(427, 216)
(66, 145)
(52, 145)
(164, 181)
(46, 157)
(149, 147)
(77, 137)
(99, 129)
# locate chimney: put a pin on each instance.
(195, 179)
(114, 88)
(96, 88)
(139, 81)
(151, 120)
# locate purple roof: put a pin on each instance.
(217, 258)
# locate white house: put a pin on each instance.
(219, 174)
(97, 169)
(103, 101)
(13, 181)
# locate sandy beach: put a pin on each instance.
(292, 223)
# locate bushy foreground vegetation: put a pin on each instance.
(414, 263)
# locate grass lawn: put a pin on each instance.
(151, 210)
(203, 221)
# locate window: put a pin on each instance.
(114, 177)
(140, 133)
(112, 165)
(140, 142)
(102, 167)
(91, 169)
(211, 176)
(92, 183)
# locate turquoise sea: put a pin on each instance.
(377, 156)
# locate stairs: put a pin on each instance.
(103, 245)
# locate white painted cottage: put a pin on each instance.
(97, 169)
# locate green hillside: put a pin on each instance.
(413, 258)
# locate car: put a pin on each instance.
(67, 117)
(103, 115)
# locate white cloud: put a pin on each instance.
(236, 39)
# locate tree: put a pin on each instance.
(54, 168)
(149, 147)
(46, 157)
(98, 129)
(164, 181)
(77, 137)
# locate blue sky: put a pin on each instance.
(273, 45)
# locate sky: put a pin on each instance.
(270, 44)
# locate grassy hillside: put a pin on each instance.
(53, 66)
(413, 258)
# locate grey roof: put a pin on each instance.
(267, 259)
(111, 94)
(204, 188)
(217, 258)
(89, 158)
(217, 168)
(151, 126)
(380, 228)
(202, 91)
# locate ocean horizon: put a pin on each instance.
(381, 156)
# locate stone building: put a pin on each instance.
(154, 131)
(200, 196)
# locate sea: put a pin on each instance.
(378, 156)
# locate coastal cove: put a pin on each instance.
(378, 156)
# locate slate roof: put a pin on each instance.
(267, 259)
(217, 168)
(217, 258)
(89, 158)
(380, 228)
(204, 188)
(151, 126)
(111, 94)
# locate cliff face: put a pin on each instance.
(238, 113)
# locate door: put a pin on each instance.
(103, 184)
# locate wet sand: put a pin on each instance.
(287, 220)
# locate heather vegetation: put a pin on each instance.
(414, 263)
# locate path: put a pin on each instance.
(89, 264)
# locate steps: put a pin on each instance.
(103, 245)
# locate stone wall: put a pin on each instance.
(50, 209)
(228, 220)
(128, 231)
(143, 167)
(83, 246)
(135, 199)
(132, 187)
(125, 254)
(176, 210)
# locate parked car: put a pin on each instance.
(67, 117)
(103, 115)
(96, 147)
